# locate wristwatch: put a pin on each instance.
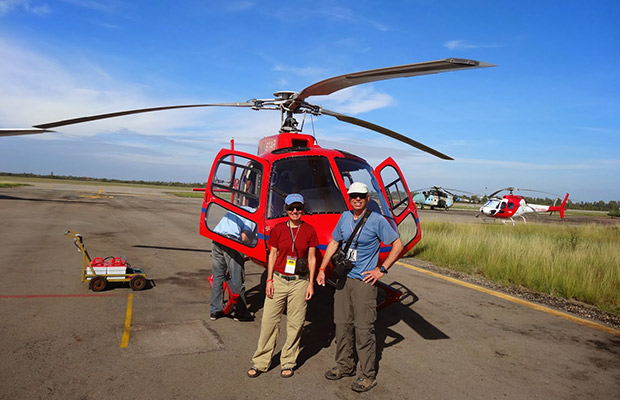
(383, 269)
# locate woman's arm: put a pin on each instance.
(273, 256)
(311, 268)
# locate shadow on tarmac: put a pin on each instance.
(67, 200)
(319, 330)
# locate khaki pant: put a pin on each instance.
(289, 295)
(355, 312)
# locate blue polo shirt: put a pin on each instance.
(376, 230)
(231, 225)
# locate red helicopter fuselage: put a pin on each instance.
(252, 188)
(512, 205)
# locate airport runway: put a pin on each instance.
(62, 341)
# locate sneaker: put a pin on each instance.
(217, 315)
(363, 384)
(244, 317)
(334, 374)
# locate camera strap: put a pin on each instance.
(358, 227)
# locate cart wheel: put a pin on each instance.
(98, 283)
(137, 282)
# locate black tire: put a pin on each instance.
(98, 284)
(138, 282)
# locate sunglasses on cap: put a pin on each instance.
(358, 195)
(295, 207)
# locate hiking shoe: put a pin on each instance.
(217, 315)
(363, 384)
(244, 317)
(334, 374)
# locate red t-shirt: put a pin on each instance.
(280, 238)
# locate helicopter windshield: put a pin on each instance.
(492, 203)
(310, 176)
(353, 170)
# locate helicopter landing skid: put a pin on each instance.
(513, 221)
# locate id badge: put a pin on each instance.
(290, 265)
(352, 255)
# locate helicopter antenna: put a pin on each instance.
(313, 132)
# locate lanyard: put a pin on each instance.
(293, 237)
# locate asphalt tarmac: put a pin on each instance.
(60, 340)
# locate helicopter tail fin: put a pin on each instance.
(561, 208)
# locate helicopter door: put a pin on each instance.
(399, 198)
(233, 211)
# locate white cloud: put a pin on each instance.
(34, 7)
(464, 45)
(176, 145)
(106, 6)
(300, 71)
(355, 100)
(583, 165)
(236, 6)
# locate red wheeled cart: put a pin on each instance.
(99, 271)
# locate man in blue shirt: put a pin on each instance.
(224, 259)
(355, 305)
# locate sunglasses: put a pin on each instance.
(294, 208)
(358, 195)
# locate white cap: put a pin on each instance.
(358, 187)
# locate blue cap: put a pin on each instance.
(294, 198)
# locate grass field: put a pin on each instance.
(573, 262)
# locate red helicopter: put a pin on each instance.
(511, 205)
(253, 187)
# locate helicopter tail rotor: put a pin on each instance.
(561, 208)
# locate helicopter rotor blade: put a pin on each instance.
(15, 132)
(331, 85)
(387, 132)
(537, 191)
(458, 190)
(501, 190)
(136, 111)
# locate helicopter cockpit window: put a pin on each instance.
(408, 229)
(312, 177)
(492, 203)
(398, 198)
(231, 225)
(237, 181)
(353, 170)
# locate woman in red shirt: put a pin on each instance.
(292, 244)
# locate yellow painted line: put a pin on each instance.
(97, 196)
(517, 300)
(125, 341)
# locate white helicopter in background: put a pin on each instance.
(511, 205)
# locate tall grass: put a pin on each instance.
(574, 262)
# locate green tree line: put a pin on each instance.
(84, 178)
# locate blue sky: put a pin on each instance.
(547, 117)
